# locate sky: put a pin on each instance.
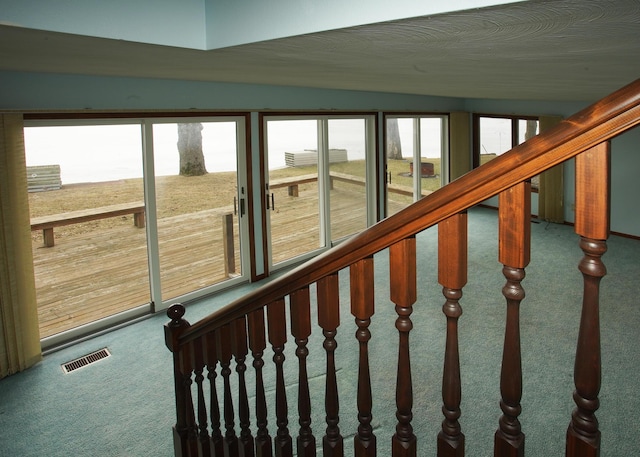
(93, 153)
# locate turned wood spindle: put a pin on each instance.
(198, 364)
(211, 358)
(514, 251)
(362, 308)
(329, 320)
(402, 266)
(300, 307)
(452, 275)
(592, 225)
(258, 344)
(278, 337)
(223, 343)
(240, 351)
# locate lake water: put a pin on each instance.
(94, 153)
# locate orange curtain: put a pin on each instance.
(19, 333)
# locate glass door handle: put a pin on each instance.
(235, 206)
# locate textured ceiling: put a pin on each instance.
(574, 50)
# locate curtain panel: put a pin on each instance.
(19, 333)
(459, 144)
(551, 190)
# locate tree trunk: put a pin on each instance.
(190, 150)
(394, 148)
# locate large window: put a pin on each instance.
(124, 222)
(318, 182)
(96, 268)
(416, 153)
(495, 135)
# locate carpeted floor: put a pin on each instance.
(124, 405)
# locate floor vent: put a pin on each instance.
(86, 360)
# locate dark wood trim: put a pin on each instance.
(106, 115)
(263, 195)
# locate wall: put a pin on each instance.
(37, 91)
(169, 22)
(40, 91)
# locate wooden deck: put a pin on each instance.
(98, 274)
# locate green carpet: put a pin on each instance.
(124, 406)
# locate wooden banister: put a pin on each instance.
(228, 335)
(600, 122)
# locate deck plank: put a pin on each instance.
(97, 274)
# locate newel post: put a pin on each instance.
(172, 332)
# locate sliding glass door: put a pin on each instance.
(292, 190)
(199, 204)
(129, 217)
(416, 153)
(87, 266)
(318, 183)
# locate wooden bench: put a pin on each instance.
(292, 183)
(47, 223)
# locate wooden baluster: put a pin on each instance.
(186, 368)
(240, 350)
(592, 224)
(257, 343)
(362, 308)
(514, 253)
(402, 266)
(203, 432)
(223, 343)
(300, 306)
(278, 337)
(452, 275)
(183, 438)
(211, 358)
(329, 320)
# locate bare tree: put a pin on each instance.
(394, 148)
(190, 149)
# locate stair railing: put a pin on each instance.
(205, 426)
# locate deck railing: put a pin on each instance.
(206, 349)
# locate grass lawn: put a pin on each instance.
(176, 195)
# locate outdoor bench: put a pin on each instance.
(47, 223)
(292, 183)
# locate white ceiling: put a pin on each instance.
(573, 50)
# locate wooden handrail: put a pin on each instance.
(597, 123)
